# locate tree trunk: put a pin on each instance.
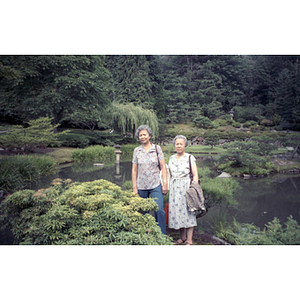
(56, 117)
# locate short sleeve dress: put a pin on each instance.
(179, 216)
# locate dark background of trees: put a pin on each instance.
(77, 90)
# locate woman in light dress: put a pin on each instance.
(179, 216)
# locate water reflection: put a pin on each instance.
(116, 173)
(259, 200)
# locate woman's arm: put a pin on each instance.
(134, 172)
(195, 172)
(163, 168)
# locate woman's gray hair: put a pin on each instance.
(143, 127)
(180, 137)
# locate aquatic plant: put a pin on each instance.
(16, 171)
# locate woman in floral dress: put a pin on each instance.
(179, 216)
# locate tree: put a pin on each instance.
(202, 121)
(38, 133)
(132, 83)
(292, 140)
(211, 138)
(286, 93)
(175, 98)
(54, 86)
(159, 105)
(128, 117)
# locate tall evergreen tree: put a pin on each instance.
(131, 80)
(159, 105)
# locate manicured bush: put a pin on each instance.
(266, 122)
(89, 213)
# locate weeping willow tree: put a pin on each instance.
(127, 117)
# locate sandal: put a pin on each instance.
(179, 241)
(189, 244)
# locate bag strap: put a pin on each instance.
(157, 156)
(191, 173)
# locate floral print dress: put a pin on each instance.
(179, 216)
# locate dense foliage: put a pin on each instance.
(252, 156)
(90, 213)
(248, 234)
(200, 88)
(62, 87)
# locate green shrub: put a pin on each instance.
(202, 122)
(248, 234)
(249, 124)
(128, 149)
(236, 124)
(215, 124)
(75, 140)
(94, 153)
(89, 213)
(241, 120)
(266, 122)
(16, 171)
(127, 185)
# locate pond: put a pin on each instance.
(259, 199)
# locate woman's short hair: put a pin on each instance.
(143, 127)
(180, 137)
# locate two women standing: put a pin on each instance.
(146, 181)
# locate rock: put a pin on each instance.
(246, 176)
(98, 165)
(224, 175)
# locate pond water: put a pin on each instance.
(259, 199)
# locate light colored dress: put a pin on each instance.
(179, 216)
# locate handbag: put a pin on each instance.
(160, 174)
(194, 195)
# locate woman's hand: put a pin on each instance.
(165, 188)
(135, 190)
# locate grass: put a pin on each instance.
(61, 155)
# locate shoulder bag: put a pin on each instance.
(194, 195)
